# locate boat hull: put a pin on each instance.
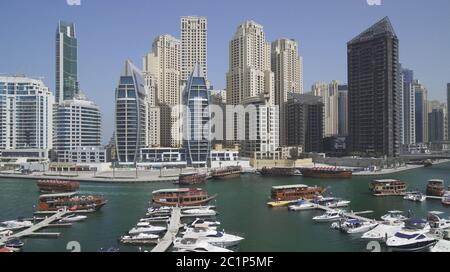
(414, 247)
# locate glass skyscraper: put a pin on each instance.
(196, 125)
(66, 62)
(130, 114)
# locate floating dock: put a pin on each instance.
(32, 231)
(172, 231)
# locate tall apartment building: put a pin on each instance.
(26, 117)
(162, 72)
(421, 112)
(374, 91)
(194, 45)
(305, 122)
(130, 115)
(287, 67)
(409, 108)
(66, 62)
(249, 74)
(78, 128)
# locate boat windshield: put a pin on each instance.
(405, 236)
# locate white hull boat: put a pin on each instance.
(146, 229)
(329, 216)
(417, 197)
(414, 237)
(353, 226)
(393, 216)
(203, 212)
(302, 206)
(383, 231)
(194, 245)
(216, 238)
(204, 223)
(15, 225)
(141, 238)
(73, 218)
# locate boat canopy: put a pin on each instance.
(58, 195)
(385, 180)
(176, 190)
(282, 187)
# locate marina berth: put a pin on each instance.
(200, 212)
(326, 172)
(287, 194)
(70, 201)
(145, 227)
(388, 187)
(227, 172)
(436, 187)
(57, 186)
(181, 197)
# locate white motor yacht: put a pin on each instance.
(413, 237)
(384, 231)
(216, 238)
(145, 227)
(415, 196)
(200, 211)
(329, 216)
(302, 205)
(352, 226)
(73, 218)
(436, 222)
(394, 216)
(194, 245)
(139, 238)
(15, 225)
(5, 233)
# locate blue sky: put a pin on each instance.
(111, 31)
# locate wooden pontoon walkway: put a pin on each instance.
(172, 231)
(32, 231)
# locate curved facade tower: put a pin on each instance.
(196, 125)
(130, 114)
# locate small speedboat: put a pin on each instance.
(384, 231)
(195, 245)
(329, 216)
(145, 227)
(352, 226)
(302, 205)
(394, 216)
(73, 218)
(5, 233)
